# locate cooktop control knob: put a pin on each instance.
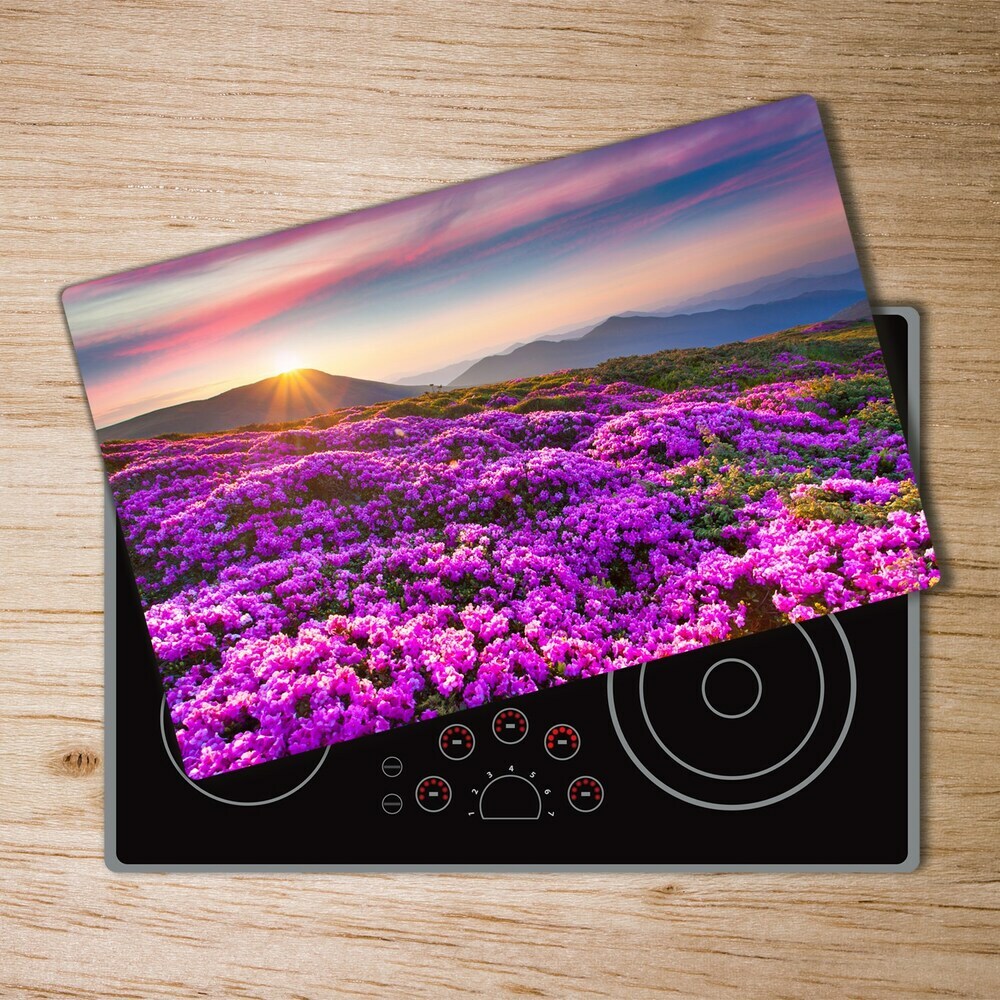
(392, 767)
(511, 796)
(585, 794)
(562, 742)
(457, 742)
(510, 725)
(392, 804)
(433, 794)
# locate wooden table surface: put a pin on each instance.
(141, 130)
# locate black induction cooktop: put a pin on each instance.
(795, 749)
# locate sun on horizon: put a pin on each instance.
(286, 363)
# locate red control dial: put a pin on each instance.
(457, 742)
(562, 742)
(510, 725)
(433, 793)
(585, 794)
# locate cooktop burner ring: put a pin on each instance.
(760, 803)
(218, 798)
(750, 774)
(718, 711)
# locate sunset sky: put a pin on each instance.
(464, 271)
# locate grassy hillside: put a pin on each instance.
(742, 363)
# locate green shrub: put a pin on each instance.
(845, 396)
(881, 414)
(406, 408)
(541, 403)
(824, 505)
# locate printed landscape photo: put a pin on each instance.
(484, 441)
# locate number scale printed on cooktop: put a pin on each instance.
(502, 436)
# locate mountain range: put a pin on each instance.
(811, 293)
(786, 289)
(303, 393)
(859, 310)
(838, 274)
(443, 376)
(761, 289)
(620, 336)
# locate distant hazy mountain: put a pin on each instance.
(303, 393)
(621, 336)
(440, 376)
(860, 310)
(787, 288)
(444, 376)
(762, 289)
(836, 274)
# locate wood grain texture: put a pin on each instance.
(142, 130)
